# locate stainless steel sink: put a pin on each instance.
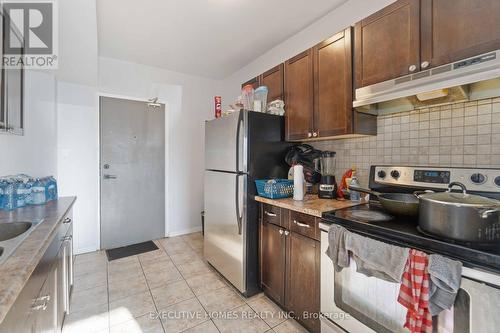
(13, 229)
(12, 234)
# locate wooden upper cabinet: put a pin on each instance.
(452, 30)
(299, 92)
(333, 85)
(387, 43)
(255, 82)
(273, 80)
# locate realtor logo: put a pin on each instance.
(30, 38)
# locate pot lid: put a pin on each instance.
(460, 198)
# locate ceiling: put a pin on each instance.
(211, 38)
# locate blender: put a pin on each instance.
(328, 185)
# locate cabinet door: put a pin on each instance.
(255, 82)
(387, 43)
(457, 29)
(272, 261)
(299, 94)
(333, 85)
(273, 80)
(302, 278)
(46, 305)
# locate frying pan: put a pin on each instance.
(406, 204)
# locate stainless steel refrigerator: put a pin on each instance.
(239, 148)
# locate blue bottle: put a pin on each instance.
(21, 193)
(38, 193)
(2, 196)
(50, 188)
(10, 196)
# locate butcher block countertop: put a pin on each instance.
(311, 204)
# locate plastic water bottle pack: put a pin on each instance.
(22, 190)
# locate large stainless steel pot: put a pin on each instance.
(460, 216)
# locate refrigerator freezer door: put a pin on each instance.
(226, 143)
(225, 235)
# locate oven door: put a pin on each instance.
(360, 304)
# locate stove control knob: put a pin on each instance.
(497, 181)
(395, 174)
(382, 174)
(478, 178)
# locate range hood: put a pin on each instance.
(469, 79)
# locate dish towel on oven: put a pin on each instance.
(336, 247)
(445, 275)
(414, 293)
(373, 258)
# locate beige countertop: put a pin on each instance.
(311, 205)
(17, 269)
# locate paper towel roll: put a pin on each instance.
(298, 182)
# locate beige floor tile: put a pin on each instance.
(91, 257)
(89, 281)
(89, 298)
(182, 316)
(244, 319)
(131, 307)
(185, 257)
(94, 319)
(153, 256)
(83, 268)
(162, 276)
(123, 266)
(270, 312)
(205, 283)
(171, 293)
(174, 245)
(290, 326)
(194, 268)
(254, 297)
(123, 261)
(206, 327)
(144, 324)
(124, 271)
(123, 288)
(159, 263)
(220, 300)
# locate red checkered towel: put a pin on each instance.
(414, 293)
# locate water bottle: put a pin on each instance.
(22, 193)
(51, 189)
(10, 196)
(29, 195)
(355, 195)
(2, 196)
(38, 193)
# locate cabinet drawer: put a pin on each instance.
(304, 224)
(271, 214)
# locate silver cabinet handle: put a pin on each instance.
(315, 134)
(110, 177)
(39, 307)
(425, 64)
(287, 233)
(309, 135)
(67, 220)
(281, 232)
(269, 214)
(43, 298)
(301, 224)
(412, 68)
(67, 238)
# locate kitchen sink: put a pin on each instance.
(13, 229)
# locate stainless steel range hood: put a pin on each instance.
(469, 79)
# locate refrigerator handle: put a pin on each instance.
(239, 218)
(238, 130)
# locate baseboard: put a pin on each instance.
(86, 250)
(184, 232)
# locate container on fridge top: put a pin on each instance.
(247, 93)
(260, 99)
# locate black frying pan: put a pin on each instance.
(406, 204)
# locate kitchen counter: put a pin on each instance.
(311, 205)
(17, 269)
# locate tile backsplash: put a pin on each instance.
(459, 135)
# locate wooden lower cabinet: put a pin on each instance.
(290, 269)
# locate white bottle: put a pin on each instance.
(355, 195)
(298, 182)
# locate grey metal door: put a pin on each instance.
(132, 172)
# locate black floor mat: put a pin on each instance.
(131, 250)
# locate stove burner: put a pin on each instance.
(370, 216)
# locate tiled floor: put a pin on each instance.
(169, 290)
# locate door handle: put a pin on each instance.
(110, 177)
(239, 218)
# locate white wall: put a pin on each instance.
(78, 157)
(34, 153)
(338, 19)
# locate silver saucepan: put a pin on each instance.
(460, 216)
